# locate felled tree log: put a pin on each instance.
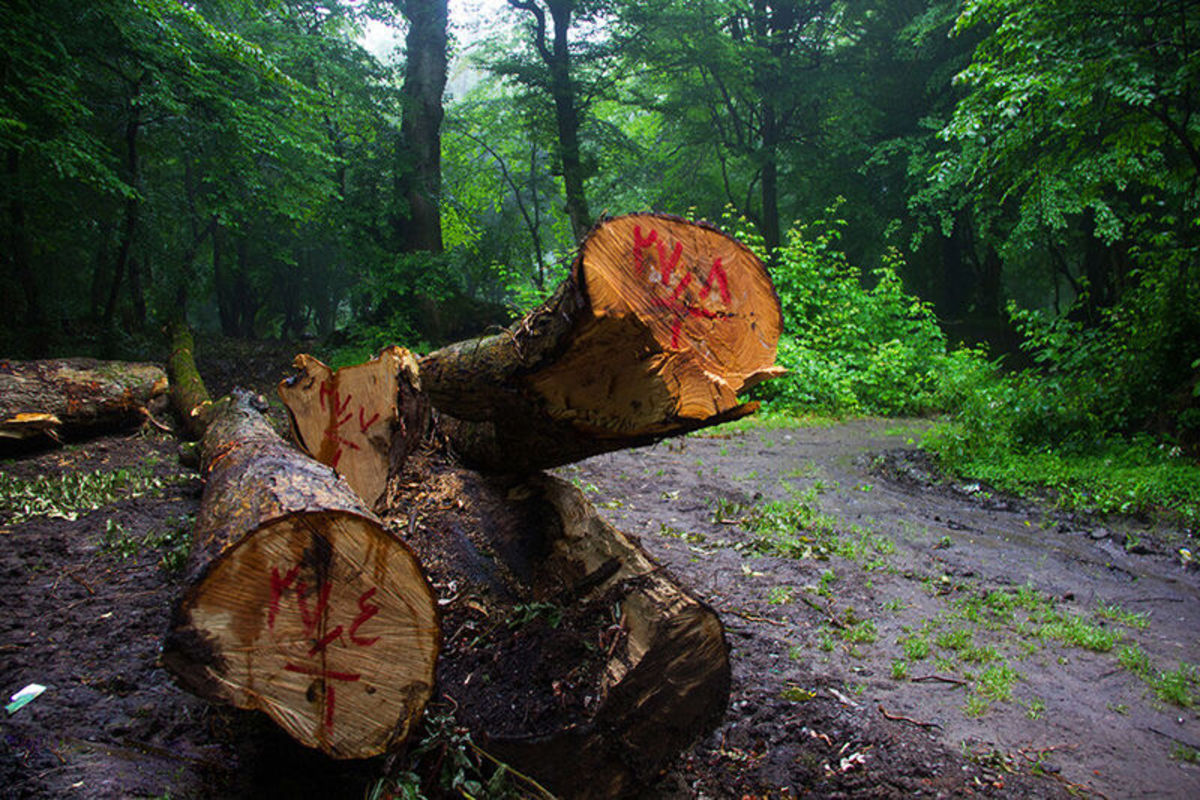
(569, 653)
(362, 420)
(660, 325)
(189, 396)
(297, 601)
(70, 396)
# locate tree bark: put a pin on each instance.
(555, 51)
(189, 396)
(74, 396)
(659, 326)
(419, 165)
(297, 602)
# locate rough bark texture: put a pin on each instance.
(569, 653)
(189, 396)
(659, 327)
(418, 171)
(297, 601)
(362, 420)
(69, 396)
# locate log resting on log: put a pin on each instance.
(627, 672)
(362, 420)
(660, 325)
(297, 602)
(70, 396)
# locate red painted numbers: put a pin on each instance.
(667, 259)
(312, 605)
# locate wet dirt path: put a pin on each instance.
(1021, 640)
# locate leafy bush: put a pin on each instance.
(850, 348)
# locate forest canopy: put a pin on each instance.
(1018, 178)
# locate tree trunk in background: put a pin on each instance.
(132, 209)
(189, 396)
(297, 602)
(770, 179)
(18, 247)
(556, 55)
(418, 160)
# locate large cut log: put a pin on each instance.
(297, 601)
(362, 420)
(74, 396)
(569, 653)
(660, 325)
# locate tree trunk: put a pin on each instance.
(73, 396)
(419, 166)
(132, 208)
(569, 653)
(660, 325)
(297, 602)
(189, 396)
(19, 249)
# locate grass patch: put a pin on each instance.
(1121, 477)
(1179, 687)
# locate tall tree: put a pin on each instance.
(744, 88)
(419, 167)
(558, 72)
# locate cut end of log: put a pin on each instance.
(358, 420)
(298, 602)
(323, 622)
(708, 317)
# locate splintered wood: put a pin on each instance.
(349, 418)
(298, 602)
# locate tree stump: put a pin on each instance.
(74, 396)
(297, 601)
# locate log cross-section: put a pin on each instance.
(297, 601)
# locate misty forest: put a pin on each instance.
(968, 497)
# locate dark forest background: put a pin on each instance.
(985, 208)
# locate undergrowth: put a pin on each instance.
(1107, 421)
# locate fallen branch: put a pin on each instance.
(910, 720)
(938, 679)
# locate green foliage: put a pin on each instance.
(850, 348)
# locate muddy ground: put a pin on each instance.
(914, 636)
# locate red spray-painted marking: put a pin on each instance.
(311, 617)
(676, 304)
(639, 247)
(717, 272)
(326, 676)
(341, 415)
